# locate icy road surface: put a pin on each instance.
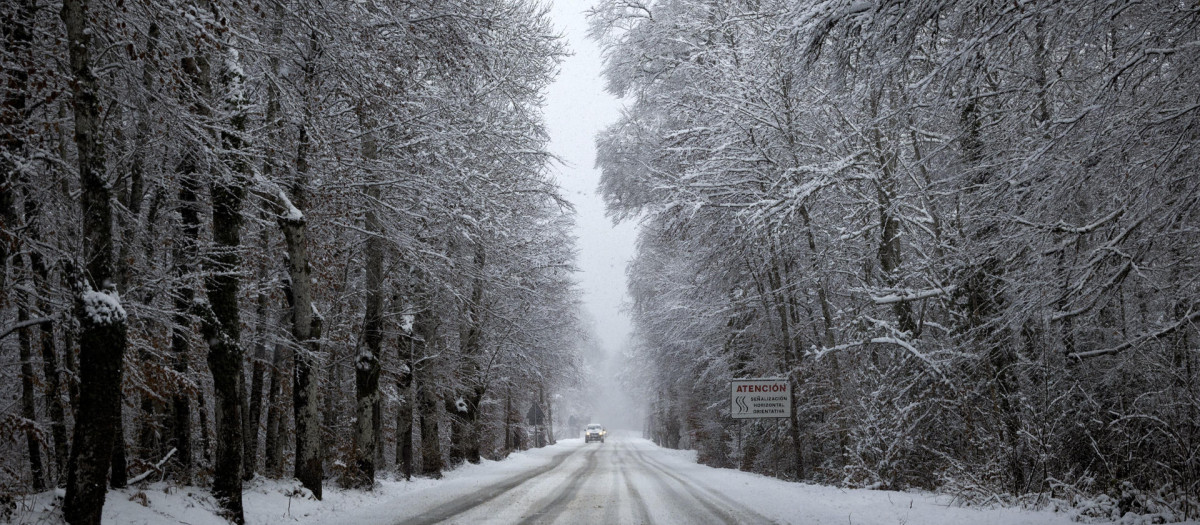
(630, 480)
(619, 481)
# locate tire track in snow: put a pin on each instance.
(641, 512)
(732, 512)
(449, 510)
(551, 508)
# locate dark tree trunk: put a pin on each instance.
(221, 320)
(331, 412)
(102, 336)
(542, 439)
(197, 69)
(33, 445)
(508, 419)
(180, 434)
(58, 426)
(549, 424)
(889, 224)
(464, 424)
(404, 415)
(458, 433)
(54, 402)
(71, 359)
(981, 287)
(13, 118)
(222, 329)
(118, 473)
(273, 453)
(273, 446)
(257, 369)
(206, 454)
(254, 416)
(148, 442)
(247, 459)
(306, 403)
(428, 406)
(431, 448)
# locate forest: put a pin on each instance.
(276, 238)
(967, 232)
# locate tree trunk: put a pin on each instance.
(118, 470)
(405, 346)
(306, 405)
(549, 422)
(148, 442)
(98, 307)
(273, 453)
(118, 473)
(221, 324)
(889, 223)
(464, 431)
(33, 445)
(254, 411)
(981, 287)
(306, 330)
(258, 368)
(70, 357)
(431, 447)
(404, 413)
(508, 420)
(180, 434)
(273, 446)
(37, 273)
(206, 456)
(306, 325)
(54, 402)
(58, 426)
(428, 405)
(366, 363)
(222, 329)
(243, 392)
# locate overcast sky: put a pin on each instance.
(577, 108)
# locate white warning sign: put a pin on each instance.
(755, 398)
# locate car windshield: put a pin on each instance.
(593, 427)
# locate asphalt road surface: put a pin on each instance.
(618, 481)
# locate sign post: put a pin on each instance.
(760, 398)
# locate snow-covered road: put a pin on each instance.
(631, 480)
(619, 481)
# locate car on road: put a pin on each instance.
(594, 432)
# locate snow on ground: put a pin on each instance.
(790, 502)
(272, 502)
